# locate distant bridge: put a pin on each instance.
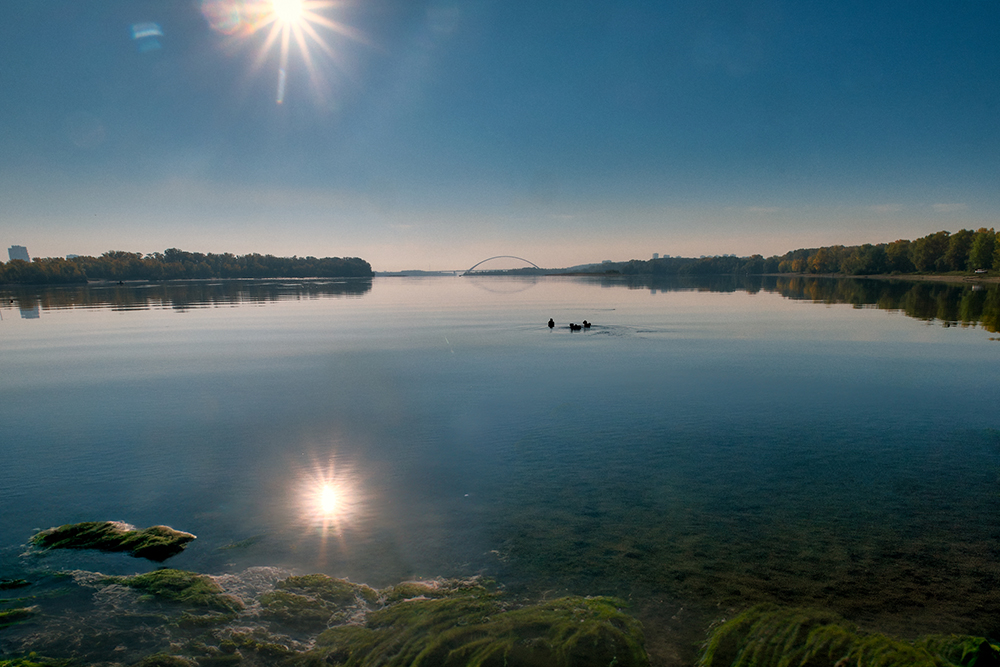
(469, 270)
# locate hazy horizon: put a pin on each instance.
(432, 135)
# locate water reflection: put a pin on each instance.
(330, 503)
(951, 304)
(181, 295)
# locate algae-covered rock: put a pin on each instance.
(409, 590)
(771, 636)
(164, 660)
(474, 629)
(181, 586)
(10, 584)
(299, 612)
(156, 543)
(313, 602)
(329, 589)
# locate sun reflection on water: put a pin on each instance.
(330, 503)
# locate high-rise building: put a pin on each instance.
(18, 252)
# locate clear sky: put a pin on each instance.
(432, 135)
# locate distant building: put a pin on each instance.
(71, 256)
(656, 255)
(606, 261)
(18, 252)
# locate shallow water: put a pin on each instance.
(704, 446)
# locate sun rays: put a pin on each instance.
(284, 23)
(329, 504)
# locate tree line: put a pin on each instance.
(941, 252)
(174, 264)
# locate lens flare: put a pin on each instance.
(287, 11)
(287, 22)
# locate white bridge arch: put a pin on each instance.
(469, 270)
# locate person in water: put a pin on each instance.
(552, 322)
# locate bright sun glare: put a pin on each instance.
(328, 500)
(285, 21)
(287, 11)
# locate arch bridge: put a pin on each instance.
(522, 259)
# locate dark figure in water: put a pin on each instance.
(586, 324)
(575, 327)
(552, 322)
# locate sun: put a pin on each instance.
(284, 22)
(288, 11)
(328, 500)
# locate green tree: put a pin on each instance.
(897, 257)
(983, 246)
(956, 257)
(927, 252)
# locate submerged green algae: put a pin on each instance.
(33, 660)
(156, 543)
(11, 584)
(315, 619)
(474, 628)
(17, 615)
(772, 636)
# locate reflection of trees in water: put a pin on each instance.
(184, 295)
(948, 303)
(501, 284)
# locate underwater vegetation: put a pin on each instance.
(156, 543)
(10, 584)
(11, 616)
(34, 661)
(175, 618)
(473, 628)
(772, 636)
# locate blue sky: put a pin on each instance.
(435, 134)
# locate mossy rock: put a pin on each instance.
(409, 590)
(156, 543)
(259, 643)
(338, 592)
(771, 636)
(299, 612)
(10, 584)
(476, 631)
(164, 660)
(313, 602)
(181, 586)
(11, 617)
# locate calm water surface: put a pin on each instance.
(695, 451)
